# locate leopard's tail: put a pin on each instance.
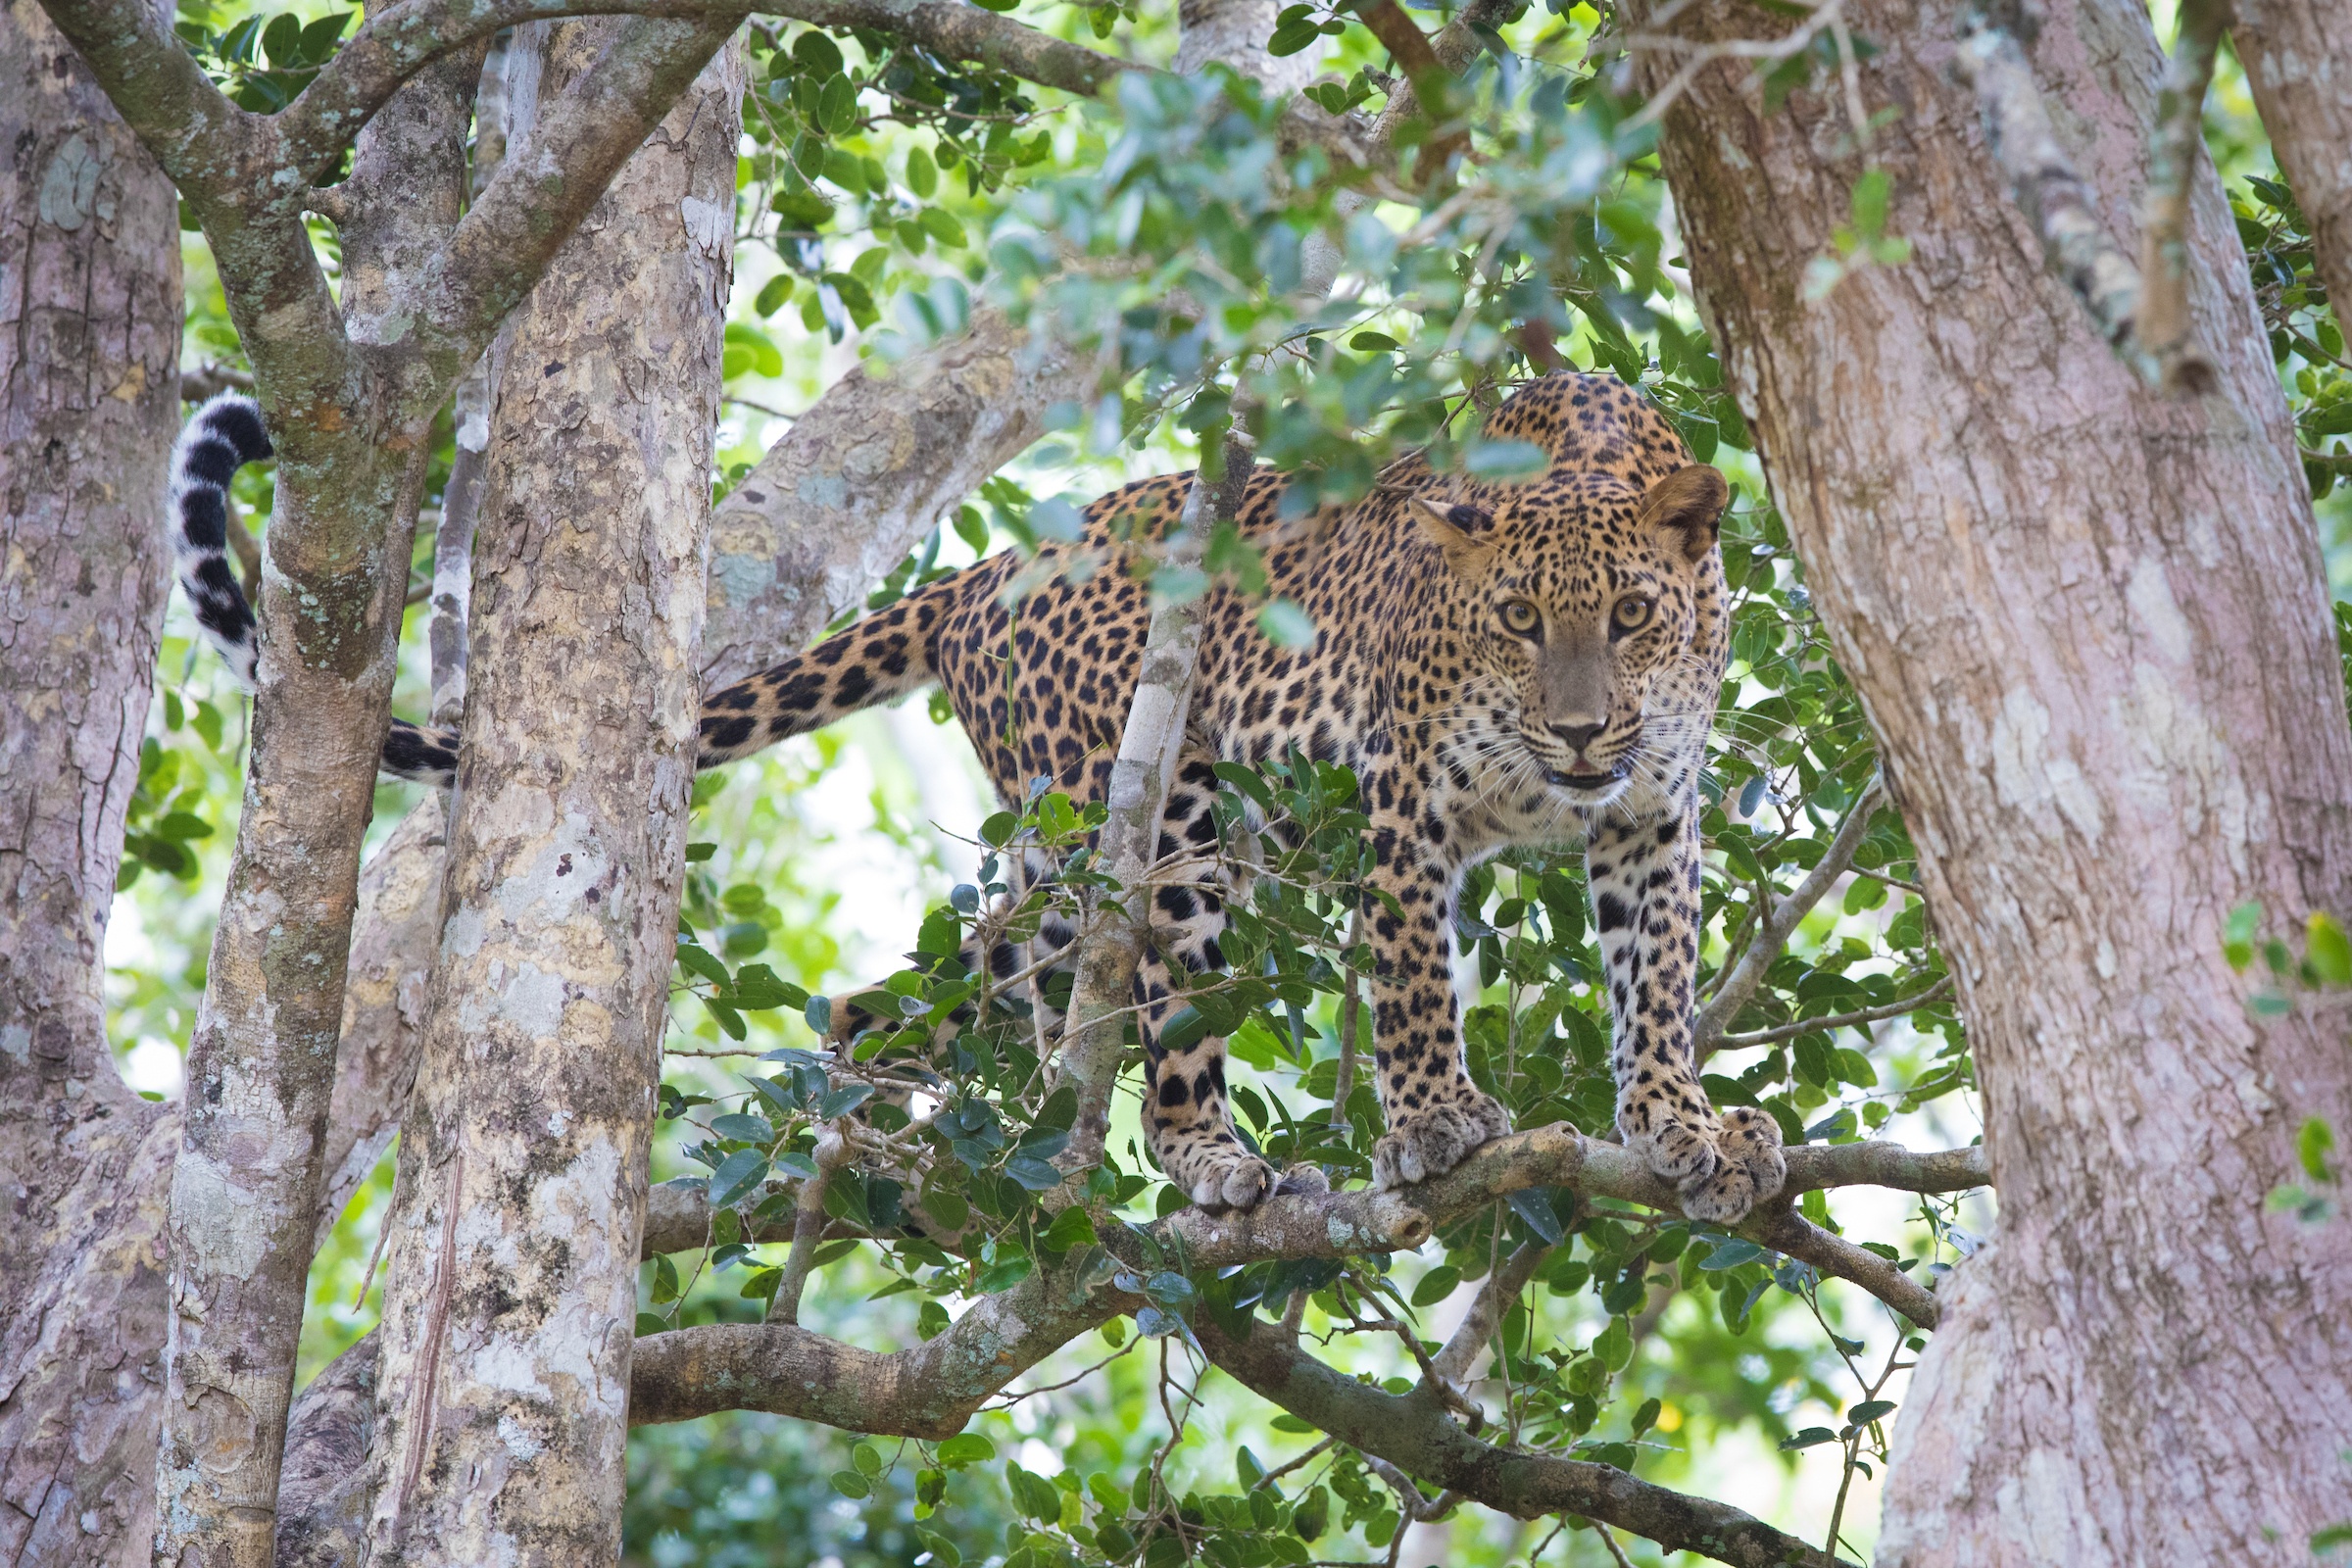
(224, 436)
(877, 659)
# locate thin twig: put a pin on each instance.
(1747, 975)
(1841, 1020)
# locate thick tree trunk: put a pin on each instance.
(509, 1308)
(262, 1069)
(2091, 628)
(2298, 60)
(89, 397)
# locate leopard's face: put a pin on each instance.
(1576, 601)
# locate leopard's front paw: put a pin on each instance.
(1432, 1141)
(1748, 1168)
(1721, 1169)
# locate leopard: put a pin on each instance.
(1522, 664)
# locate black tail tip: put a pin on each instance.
(236, 418)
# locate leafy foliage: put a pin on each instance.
(1222, 279)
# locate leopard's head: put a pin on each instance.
(1578, 599)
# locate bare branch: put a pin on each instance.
(925, 1391)
(2062, 207)
(1413, 1432)
(548, 185)
(1297, 1225)
(202, 141)
(1741, 985)
(209, 380)
(1111, 943)
(1784, 1230)
(1839, 1020)
(808, 1227)
(860, 479)
(1496, 1293)
(2172, 158)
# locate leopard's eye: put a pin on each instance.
(1631, 614)
(1521, 617)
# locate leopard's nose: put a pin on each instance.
(1577, 736)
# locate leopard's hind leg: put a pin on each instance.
(1187, 1108)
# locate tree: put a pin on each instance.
(91, 302)
(1160, 277)
(2052, 603)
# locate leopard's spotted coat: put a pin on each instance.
(1523, 664)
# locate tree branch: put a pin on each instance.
(1413, 1432)
(1739, 986)
(1496, 1293)
(2062, 207)
(203, 142)
(1299, 1225)
(546, 187)
(1839, 1020)
(1111, 943)
(397, 42)
(926, 1391)
(2174, 152)
(858, 480)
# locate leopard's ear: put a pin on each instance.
(1464, 533)
(1686, 506)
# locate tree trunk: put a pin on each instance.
(2091, 628)
(262, 1069)
(2298, 60)
(89, 397)
(511, 1304)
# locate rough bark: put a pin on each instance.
(246, 1187)
(510, 1306)
(2091, 628)
(89, 396)
(2298, 60)
(859, 481)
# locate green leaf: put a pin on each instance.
(1287, 624)
(1500, 462)
(1533, 1206)
(943, 225)
(1811, 1436)
(1869, 1411)
(1010, 1269)
(818, 1013)
(1072, 1227)
(836, 106)
(2237, 934)
(1869, 204)
(281, 40)
(737, 1176)
(1372, 343)
(319, 39)
(2315, 1141)
(696, 961)
(650, 1323)
(1437, 1285)
(184, 825)
(965, 1448)
(2327, 947)
(922, 174)
(841, 1102)
(850, 1484)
